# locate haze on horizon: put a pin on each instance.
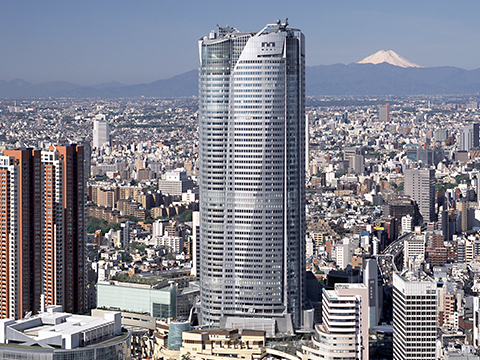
(92, 42)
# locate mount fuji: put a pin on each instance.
(389, 57)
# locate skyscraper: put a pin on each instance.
(420, 186)
(414, 316)
(101, 132)
(384, 112)
(252, 174)
(469, 137)
(42, 232)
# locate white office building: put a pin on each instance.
(101, 132)
(252, 174)
(414, 316)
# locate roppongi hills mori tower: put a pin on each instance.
(252, 177)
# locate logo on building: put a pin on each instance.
(268, 44)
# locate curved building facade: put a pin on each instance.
(252, 173)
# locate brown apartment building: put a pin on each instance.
(42, 230)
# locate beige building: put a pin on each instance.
(344, 332)
(223, 344)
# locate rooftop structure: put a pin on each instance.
(53, 332)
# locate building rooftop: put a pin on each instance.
(55, 329)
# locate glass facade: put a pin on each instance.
(252, 178)
(160, 303)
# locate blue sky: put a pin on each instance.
(91, 42)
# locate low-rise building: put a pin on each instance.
(53, 334)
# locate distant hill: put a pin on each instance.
(386, 79)
(338, 79)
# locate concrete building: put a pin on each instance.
(420, 186)
(223, 344)
(175, 183)
(375, 292)
(384, 112)
(407, 223)
(53, 334)
(43, 228)
(101, 132)
(252, 174)
(469, 137)
(157, 300)
(413, 249)
(344, 332)
(414, 316)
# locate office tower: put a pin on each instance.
(463, 208)
(344, 332)
(375, 292)
(101, 132)
(356, 159)
(430, 156)
(384, 112)
(252, 174)
(440, 135)
(469, 137)
(43, 229)
(420, 186)
(414, 316)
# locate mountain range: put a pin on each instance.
(383, 73)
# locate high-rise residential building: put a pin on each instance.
(384, 112)
(420, 186)
(101, 132)
(414, 316)
(344, 332)
(252, 175)
(43, 230)
(469, 137)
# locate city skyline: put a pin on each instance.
(252, 178)
(138, 42)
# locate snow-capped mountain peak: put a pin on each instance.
(390, 57)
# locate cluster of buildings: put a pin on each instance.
(218, 227)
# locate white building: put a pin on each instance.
(51, 333)
(252, 174)
(342, 255)
(174, 243)
(407, 223)
(413, 249)
(414, 316)
(101, 132)
(344, 332)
